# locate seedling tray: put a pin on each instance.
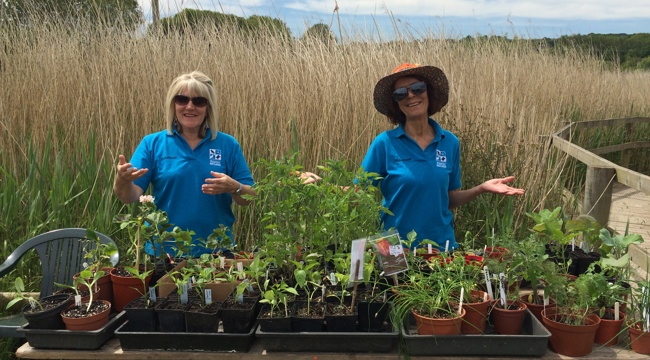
(350, 342)
(532, 341)
(184, 341)
(76, 340)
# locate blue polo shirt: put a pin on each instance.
(176, 173)
(416, 182)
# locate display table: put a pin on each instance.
(113, 351)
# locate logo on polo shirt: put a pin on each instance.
(215, 157)
(441, 158)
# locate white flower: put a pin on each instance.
(146, 199)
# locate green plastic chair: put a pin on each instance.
(62, 256)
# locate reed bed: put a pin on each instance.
(74, 98)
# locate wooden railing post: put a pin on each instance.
(598, 193)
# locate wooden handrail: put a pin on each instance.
(601, 172)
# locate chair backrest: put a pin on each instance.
(61, 253)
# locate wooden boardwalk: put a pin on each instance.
(633, 206)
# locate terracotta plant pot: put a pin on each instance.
(496, 252)
(536, 309)
(431, 326)
(608, 330)
(570, 340)
(126, 289)
(639, 340)
(104, 285)
(87, 323)
(475, 315)
(508, 322)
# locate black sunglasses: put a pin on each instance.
(183, 100)
(416, 88)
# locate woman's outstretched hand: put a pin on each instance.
(499, 186)
(308, 177)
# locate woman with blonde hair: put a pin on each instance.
(194, 170)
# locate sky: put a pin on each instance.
(455, 18)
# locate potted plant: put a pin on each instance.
(572, 323)
(98, 257)
(171, 312)
(309, 314)
(141, 311)
(372, 304)
(42, 313)
(149, 223)
(507, 312)
(638, 318)
(340, 317)
(201, 314)
(433, 299)
(92, 315)
(275, 315)
(238, 313)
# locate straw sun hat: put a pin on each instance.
(433, 76)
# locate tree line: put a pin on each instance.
(624, 51)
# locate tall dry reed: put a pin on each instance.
(60, 85)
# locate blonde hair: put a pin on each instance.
(197, 83)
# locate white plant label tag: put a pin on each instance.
(333, 278)
(460, 303)
(447, 246)
(547, 300)
(240, 298)
(152, 293)
(208, 296)
(184, 297)
(488, 283)
(502, 289)
(222, 262)
(357, 254)
(429, 249)
(77, 300)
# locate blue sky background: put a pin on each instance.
(457, 18)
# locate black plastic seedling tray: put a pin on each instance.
(184, 341)
(349, 342)
(76, 340)
(532, 341)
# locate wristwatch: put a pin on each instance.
(238, 191)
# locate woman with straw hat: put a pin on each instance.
(419, 161)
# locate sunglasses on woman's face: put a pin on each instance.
(183, 100)
(416, 88)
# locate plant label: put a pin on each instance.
(390, 252)
(502, 288)
(488, 283)
(208, 296)
(357, 254)
(152, 293)
(77, 300)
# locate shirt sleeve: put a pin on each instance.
(142, 159)
(375, 159)
(240, 169)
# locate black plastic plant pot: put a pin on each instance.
(315, 320)
(280, 322)
(142, 318)
(581, 260)
(50, 317)
(202, 318)
(372, 315)
(171, 316)
(238, 318)
(340, 322)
